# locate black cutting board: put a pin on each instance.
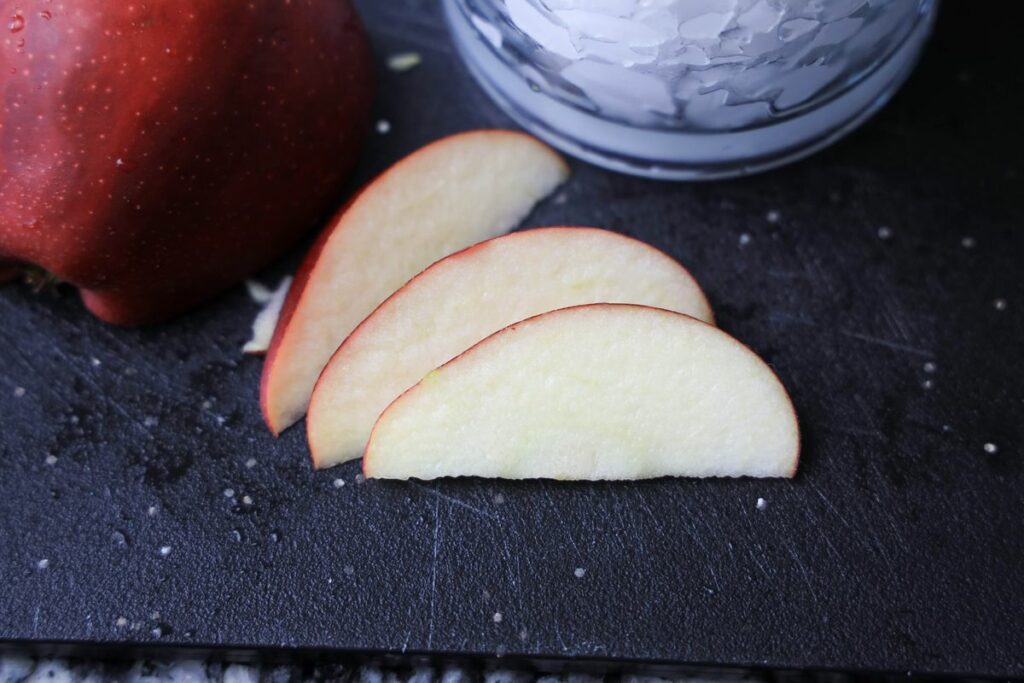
(899, 546)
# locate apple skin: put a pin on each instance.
(154, 154)
(8, 272)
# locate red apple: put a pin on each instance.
(155, 153)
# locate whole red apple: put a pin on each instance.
(154, 153)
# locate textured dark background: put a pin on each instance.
(899, 546)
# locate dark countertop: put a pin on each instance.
(898, 546)
(26, 670)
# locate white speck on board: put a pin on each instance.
(404, 61)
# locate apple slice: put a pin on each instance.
(467, 296)
(445, 197)
(605, 391)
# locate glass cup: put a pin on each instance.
(690, 89)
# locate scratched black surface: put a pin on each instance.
(899, 546)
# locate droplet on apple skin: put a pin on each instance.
(17, 23)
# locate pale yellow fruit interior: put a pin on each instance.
(599, 392)
(448, 196)
(464, 298)
(266, 320)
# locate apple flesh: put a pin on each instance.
(266, 320)
(467, 296)
(607, 391)
(444, 197)
(155, 153)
